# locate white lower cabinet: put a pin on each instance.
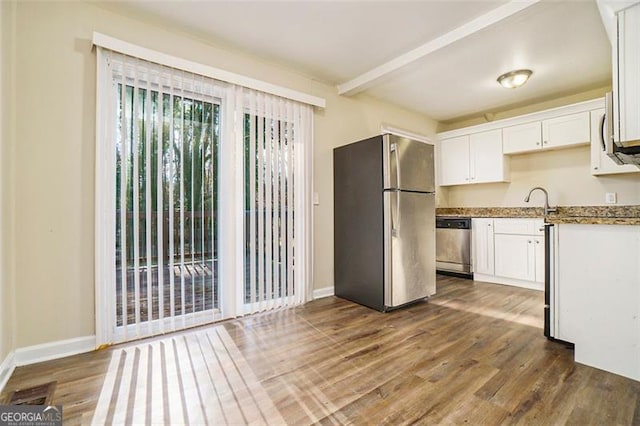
(512, 252)
(540, 258)
(482, 247)
(515, 257)
(597, 286)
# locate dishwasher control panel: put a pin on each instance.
(453, 222)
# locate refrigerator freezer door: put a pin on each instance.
(408, 164)
(410, 261)
(358, 223)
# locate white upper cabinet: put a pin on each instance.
(626, 69)
(554, 128)
(522, 138)
(475, 158)
(480, 154)
(454, 161)
(486, 161)
(557, 132)
(566, 130)
(601, 164)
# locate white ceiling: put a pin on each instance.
(563, 42)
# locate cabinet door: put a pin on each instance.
(454, 161)
(483, 252)
(626, 85)
(601, 164)
(572, 129)
(515, 256)
(522, 138)
(486, 161)
(539, 259)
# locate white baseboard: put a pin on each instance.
(531, 285)
(6, 369)
(319, 293)
(54, 350)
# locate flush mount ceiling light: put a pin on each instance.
(513, 79)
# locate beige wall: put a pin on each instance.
(7, 335)
(54, 154)
(564, 173)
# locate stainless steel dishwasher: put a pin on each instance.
(453, 246)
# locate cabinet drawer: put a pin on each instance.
(518, 226)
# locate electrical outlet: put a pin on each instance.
(316, 199)
(610, 198)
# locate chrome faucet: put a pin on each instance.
(547, 209)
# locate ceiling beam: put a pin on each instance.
(368, 79)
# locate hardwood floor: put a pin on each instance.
(474, 353)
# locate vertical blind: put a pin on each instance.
(163, 134)
(274, 133)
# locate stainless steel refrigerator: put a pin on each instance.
(384, 221)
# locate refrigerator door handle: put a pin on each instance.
(394, 150)
(393, 212)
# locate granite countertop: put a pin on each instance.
(594, 215)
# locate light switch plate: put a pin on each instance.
(611, 198)
(316, 199)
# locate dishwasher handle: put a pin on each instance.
(453, 223)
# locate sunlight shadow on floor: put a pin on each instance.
(192, 378)
(517, 317)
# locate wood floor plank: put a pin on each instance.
(474, 353)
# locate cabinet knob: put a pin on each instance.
(595, 168)
(545, 142)
(537, 143)
(529, 241)
(537, 242)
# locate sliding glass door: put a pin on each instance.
(202, 208)
(166, 203)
